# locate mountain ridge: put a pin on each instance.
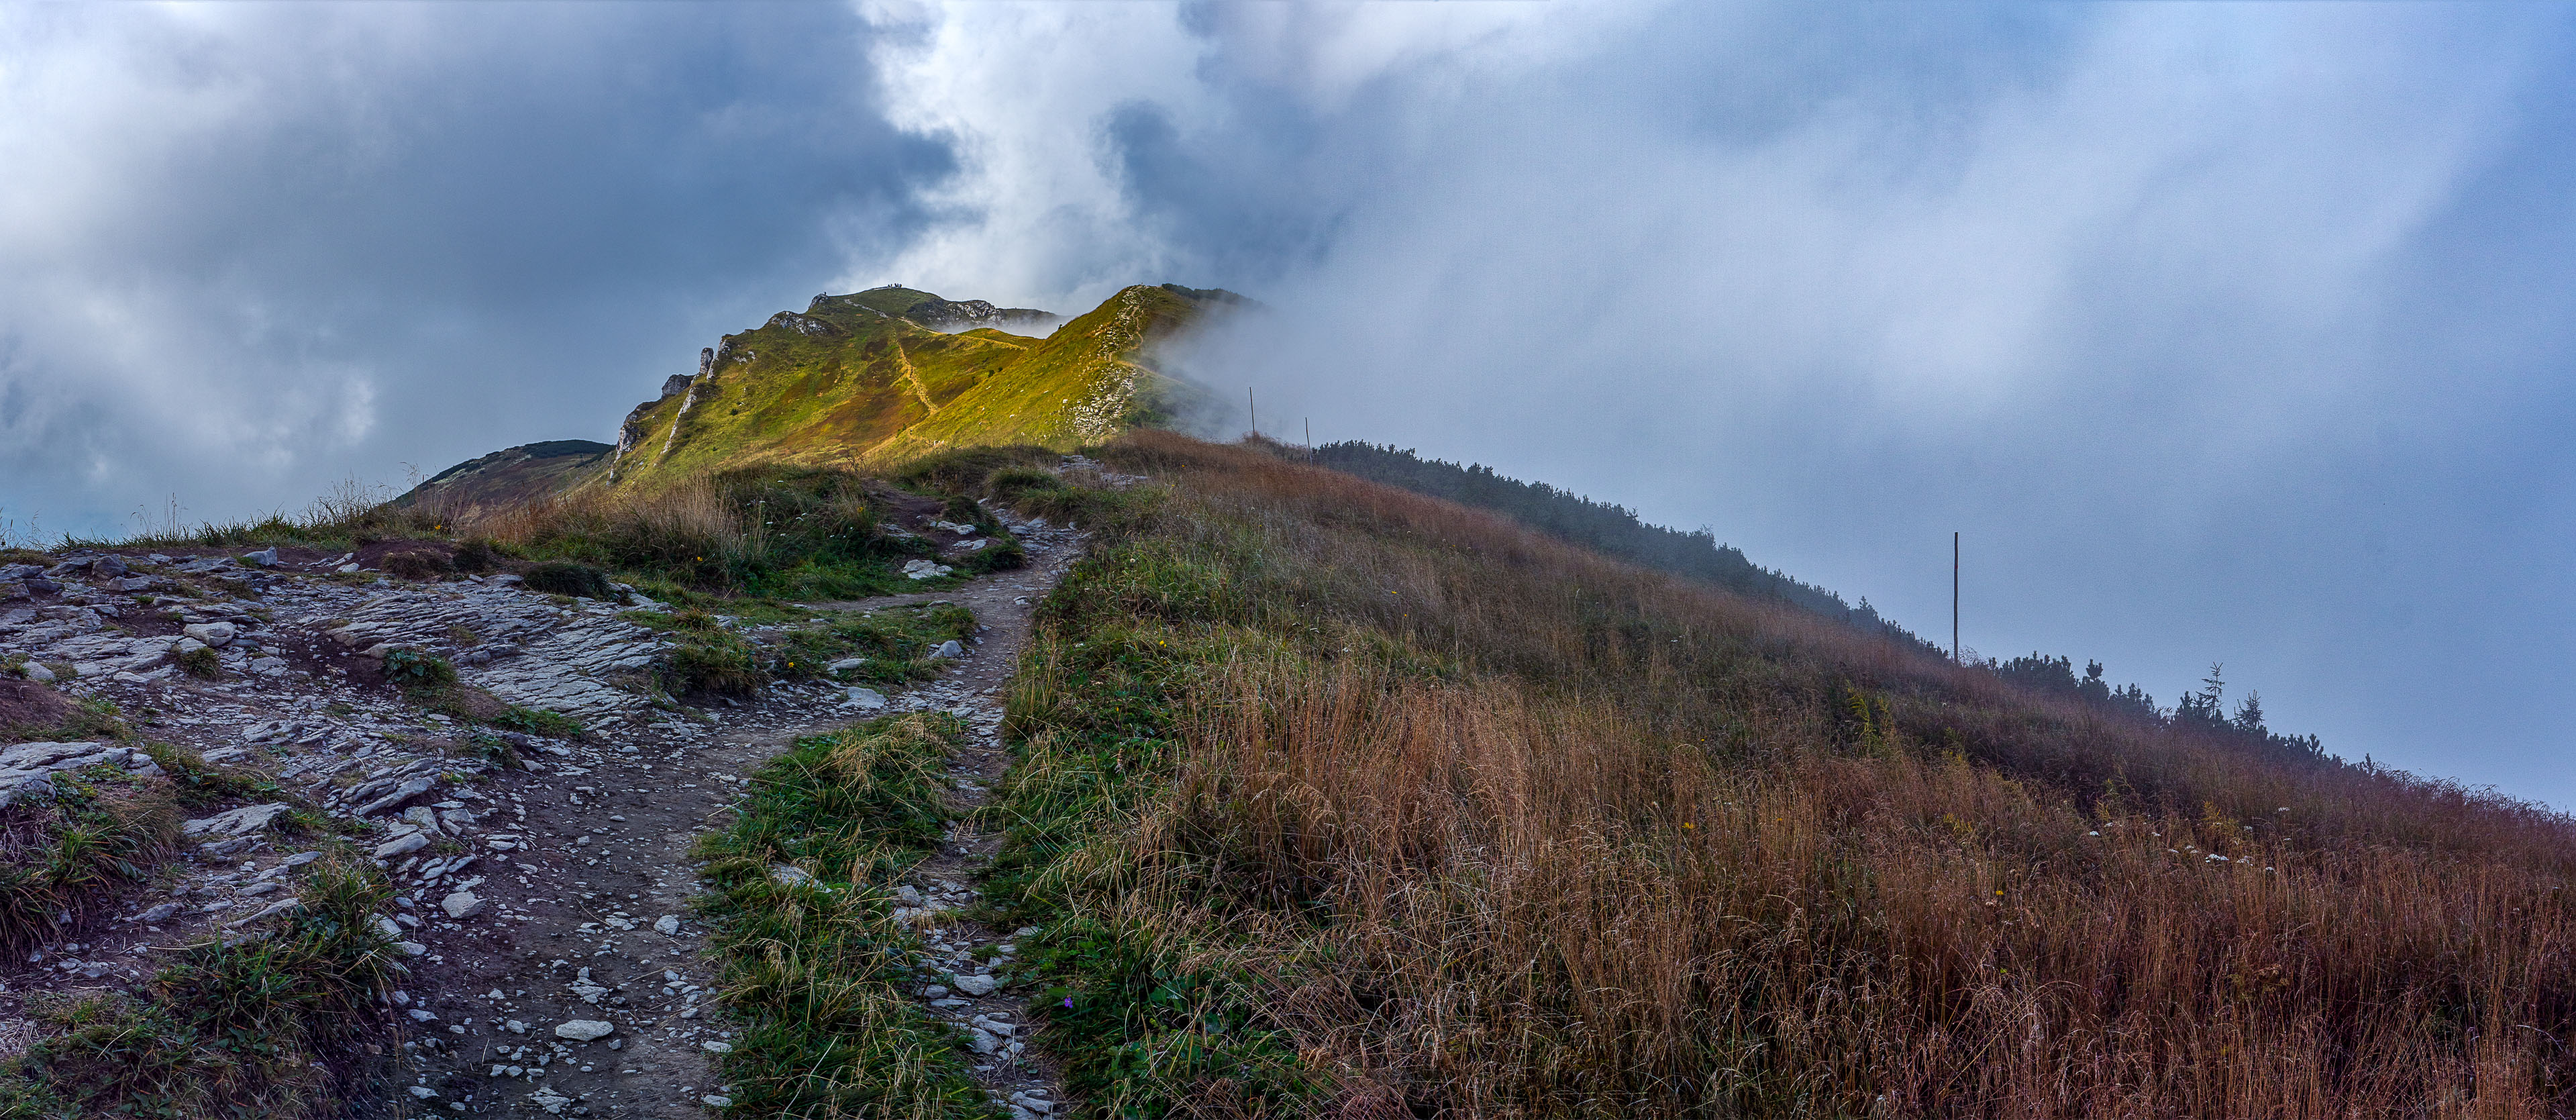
(873, 376)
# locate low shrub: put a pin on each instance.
(420, 567)
(417, 670)
(202, 663)
(477, 556)
(566, 577)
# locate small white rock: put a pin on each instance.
(668, 925)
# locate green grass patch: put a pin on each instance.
(60, 856)
(1148, 1026)
(200, 783)
(288, 1025)
(90, 720)
(535, 721)
(567, 577)
(896, 641)
(718, 663)
(416, 671)
(814, 974)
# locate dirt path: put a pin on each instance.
(554, 961)
(913, 376)
(969, 997)
(605, 935)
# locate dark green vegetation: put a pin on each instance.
(415, 670)
(814, 967)
(2203, 713)
(1616, 531)
(1335, 801)
(896, 641)
(288, 1024)
(565, 577)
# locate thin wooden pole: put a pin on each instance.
(1954, 597)
(1255, 407)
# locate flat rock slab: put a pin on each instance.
(237, 822)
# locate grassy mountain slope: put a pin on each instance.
(512, 476)
(1338, 800)
(848, 383)
(851, 381)
(1088, 381)
(1609, 528)
(811, 390)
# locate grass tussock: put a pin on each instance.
(63, 856)
(814, 972)
(1340, 800)
(277, 1025)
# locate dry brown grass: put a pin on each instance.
(690, 513)
(1587, 840)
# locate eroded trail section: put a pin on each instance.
(940, 892)
(603, 1008)
(542, 878)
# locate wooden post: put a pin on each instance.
(1248, 402)
(1954, 597)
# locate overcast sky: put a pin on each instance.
(2232, 334)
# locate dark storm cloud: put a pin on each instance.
(247, 250)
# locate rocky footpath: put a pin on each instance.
(543, 880)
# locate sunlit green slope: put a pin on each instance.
(847, 382)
